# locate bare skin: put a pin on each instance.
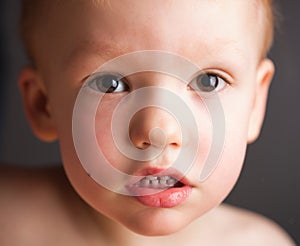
(45, 207)
(40, 207)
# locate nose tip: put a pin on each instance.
(156, 127)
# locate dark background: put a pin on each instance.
(269, 183)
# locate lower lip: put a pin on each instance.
(167, 198)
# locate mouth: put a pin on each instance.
(158, 182)
(165, 190)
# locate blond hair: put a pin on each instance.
(271, 21)
(32, 10)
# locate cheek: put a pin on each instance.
(236, 111)
(107, 144)
(203, 135)
(104, 136)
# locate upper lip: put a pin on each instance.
(172, 172)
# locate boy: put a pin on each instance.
(165, 204)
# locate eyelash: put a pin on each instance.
(114, 79)
(218, 79)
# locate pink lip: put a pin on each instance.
(164, 198)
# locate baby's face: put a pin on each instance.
(222, 38)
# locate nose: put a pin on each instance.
(154, 126)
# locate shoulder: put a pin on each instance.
(29, 200)
(249, 228)
(23, 189)
(25, 184)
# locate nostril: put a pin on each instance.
(139, 143)
(175, 144)
(144, 145)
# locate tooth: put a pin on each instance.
(145, 182)
(163, 183)
(155, 183)
(171, 182)
(152, 177)
(165, 177)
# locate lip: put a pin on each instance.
(160, 198)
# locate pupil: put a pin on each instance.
(108, 83)
(207, 82)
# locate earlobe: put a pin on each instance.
(265, 74)
(36, 104)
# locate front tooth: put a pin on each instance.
(165, 178)
(151, 177)
(163, 183)
(155, 183)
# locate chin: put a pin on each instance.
(158, 222)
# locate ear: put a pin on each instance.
(265, 74)
(36, 104)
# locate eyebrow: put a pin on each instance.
(232, 45)
(105, 50)
(108, 49)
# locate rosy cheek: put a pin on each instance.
(204, 156)
(104, 135)
(233, 151)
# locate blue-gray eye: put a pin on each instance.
(108, 83)
(207, 82)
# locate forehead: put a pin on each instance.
(190, 28)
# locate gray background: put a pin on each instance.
(269, 183)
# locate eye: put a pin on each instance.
(208, 82)
(108, 83)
